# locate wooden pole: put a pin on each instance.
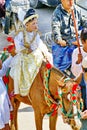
(76, 32)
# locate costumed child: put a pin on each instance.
(30, 53)
(82, 81)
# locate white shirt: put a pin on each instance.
(37, 43)
(19, 41)
(5, 66)
(77, 68)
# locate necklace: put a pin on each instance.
(26, 44)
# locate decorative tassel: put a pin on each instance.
(49, 66)
(10, 39)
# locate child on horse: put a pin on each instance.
(30, 53)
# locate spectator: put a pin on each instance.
(63, 33)
(2, 12)
(82, 81)
(5, 12)
(7, 16)
(2, 8)
(5, 107)
(5, 104)
(76, 69)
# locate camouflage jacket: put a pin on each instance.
(63, 25)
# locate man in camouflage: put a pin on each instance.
(63, 33)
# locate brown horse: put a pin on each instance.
(59, 88)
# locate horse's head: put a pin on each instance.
(71, 103)
(69, 94)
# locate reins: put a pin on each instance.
(53, 105)
(69, 114)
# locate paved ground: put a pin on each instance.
(26, 120)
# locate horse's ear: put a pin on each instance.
(61, 84)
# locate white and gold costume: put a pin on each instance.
(25, 66)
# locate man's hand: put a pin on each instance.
(75, 43)
(61, 42)
(84, 114)
(80, 57)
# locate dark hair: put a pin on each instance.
(84, 34)
(85, 69)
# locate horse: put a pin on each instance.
(49, 92)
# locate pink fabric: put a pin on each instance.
(2, 2)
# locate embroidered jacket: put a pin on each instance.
(63, 26)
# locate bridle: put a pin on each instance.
(52, 103)
(69, 115)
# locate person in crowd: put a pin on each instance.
(2, 13)
(5, 104)
(30, 53)
(5, 12)
(8, 18)
(63, 33)
(76, 69)
(5, 107)
(82, 81)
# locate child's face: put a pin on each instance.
(32, 25)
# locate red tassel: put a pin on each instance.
(49, 66)
(5, 79)
(10, 39)
(74, 87)
(53, 106)
(54, 113)
(74, 98)
(56, 93)
(10, 47)
(5, 49)
(11, 116)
